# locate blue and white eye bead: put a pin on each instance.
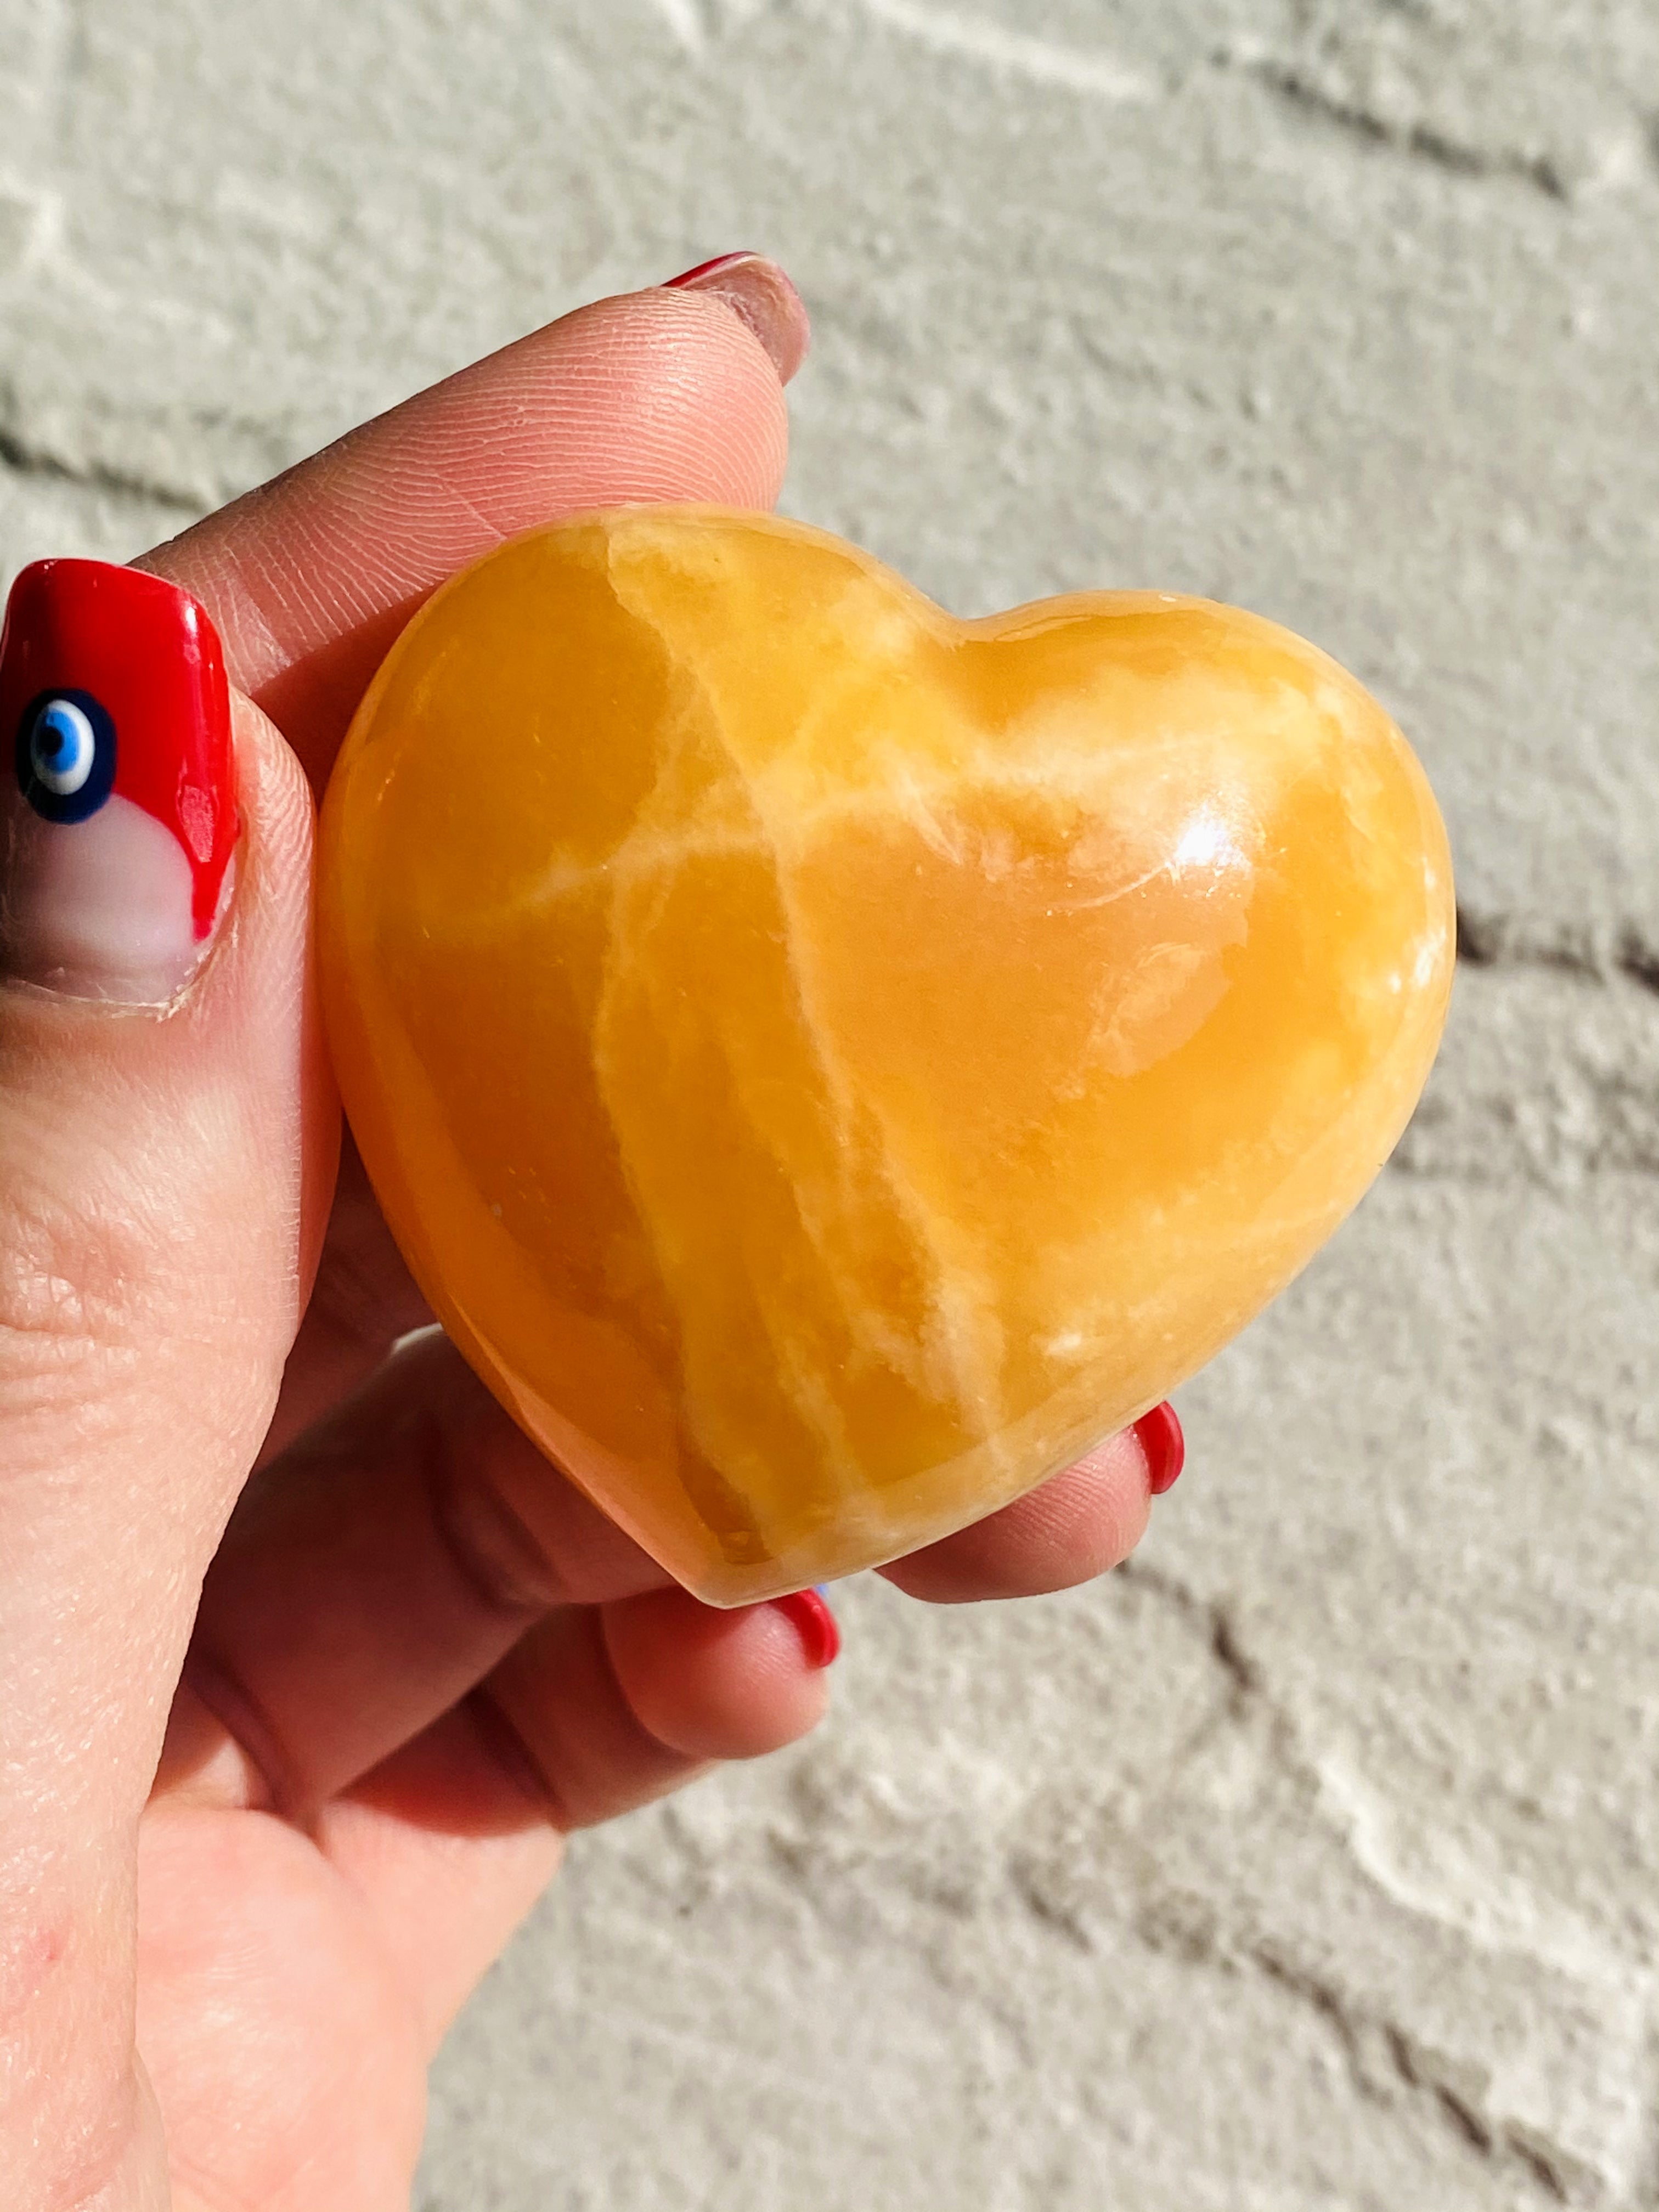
(66, 755)
(62, 747)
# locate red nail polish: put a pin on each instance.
(690, 276)
(1166, 1448)
(113, 688)
(815, 1624)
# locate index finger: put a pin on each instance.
(664, 394)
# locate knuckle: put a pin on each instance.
(64, 1276)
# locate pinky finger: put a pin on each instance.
(617, 1704)
(598, 1709)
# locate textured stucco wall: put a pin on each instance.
(1313, 1860)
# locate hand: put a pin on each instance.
(255, 1851)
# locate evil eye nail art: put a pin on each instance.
(66, 755)
(113, 688)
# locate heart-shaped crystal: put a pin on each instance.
(826, 1063)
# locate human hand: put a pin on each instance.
(255, 1851)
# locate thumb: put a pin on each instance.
(166, 1144)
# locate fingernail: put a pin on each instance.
(814, 1624)
(762, 297)
(1163, 1446)
(120, 814)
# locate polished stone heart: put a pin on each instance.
(827, 1064)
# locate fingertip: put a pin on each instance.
(1077, 1525)
(716, 1684)
(814, 1623)
(708, 419)
(763, 299)
(662, 394)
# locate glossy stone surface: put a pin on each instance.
(827, 1064)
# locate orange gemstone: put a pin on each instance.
(829, 1064)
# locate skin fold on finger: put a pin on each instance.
(1071, 1529)
(655, 395)
(611, 1708)
(376, 1573)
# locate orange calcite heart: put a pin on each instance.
(827, 1064)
